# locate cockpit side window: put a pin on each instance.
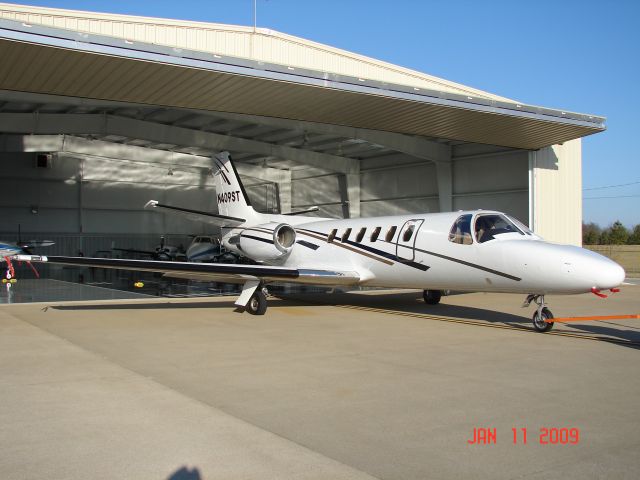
(461, 231)
(488, 226)
(408, 233)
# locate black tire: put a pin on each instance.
(257, 304)
(540, 325)
(432, 297)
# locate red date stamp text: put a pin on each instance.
(523, 436)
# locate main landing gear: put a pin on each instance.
(257, 303)
(253, 298)
(542, 315)
(432, 297)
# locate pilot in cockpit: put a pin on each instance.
(484, 225)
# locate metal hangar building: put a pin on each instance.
(100, 113)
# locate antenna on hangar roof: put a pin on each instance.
(255, 15)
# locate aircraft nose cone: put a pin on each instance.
(593, 270)
(609, 274)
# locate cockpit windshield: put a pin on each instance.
(520, 225)
(461, 230)
(202, 240)
(488, 226)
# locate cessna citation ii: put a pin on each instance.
(468, 251)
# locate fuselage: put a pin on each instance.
(443, 251)
(203, 248)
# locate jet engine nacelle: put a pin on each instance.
(266, 242)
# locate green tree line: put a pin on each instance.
(616, 234)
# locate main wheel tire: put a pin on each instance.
(432, 297)
(539, 324)
(257, 303)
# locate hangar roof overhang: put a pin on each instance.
(53, 61)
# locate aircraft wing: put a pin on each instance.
(220, 272)
(214, 218)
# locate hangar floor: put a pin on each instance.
(364, 385)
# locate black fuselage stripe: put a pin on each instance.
(390, 256)
(439, 255)
(346, 247)
(469, 264)
(382, 253)
(252, 237)
(310, 245)
(240, 184)
(313, 231)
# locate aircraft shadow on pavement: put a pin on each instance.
(402, 303)
(412, 303)
(228, 305)
(622, 333)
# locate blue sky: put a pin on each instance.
(582, 56)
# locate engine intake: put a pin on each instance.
(267, 242)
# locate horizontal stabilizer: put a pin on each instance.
(302, 212)
(36, 243)
(214, 218)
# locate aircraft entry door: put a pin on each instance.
(405, 246)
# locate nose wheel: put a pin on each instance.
(542, 315)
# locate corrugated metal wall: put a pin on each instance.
(236, 41)
(396, 185)
(556, 175)
(490, 178)
(109, 199)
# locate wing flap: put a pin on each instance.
(214, 271)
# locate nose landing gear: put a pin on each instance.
(542, 315)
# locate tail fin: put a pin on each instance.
(232, 198)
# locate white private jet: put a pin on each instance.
(467, 250)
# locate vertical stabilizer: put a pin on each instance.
(232, 198)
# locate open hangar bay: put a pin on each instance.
(101, 113)
(128, 109)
